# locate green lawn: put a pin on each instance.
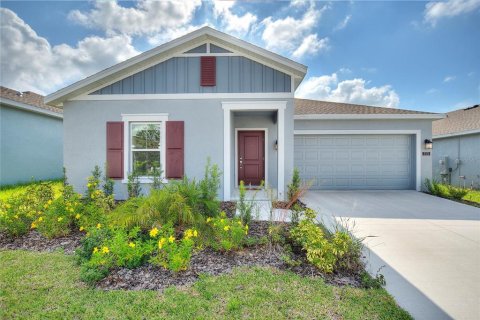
(45, 286)
(8, 191)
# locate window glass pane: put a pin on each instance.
(144, 162)
(145, 136)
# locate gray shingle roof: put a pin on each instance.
(458, 121)
(306, 106)
(27, 97)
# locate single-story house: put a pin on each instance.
(210, 95)
(31, 138)
(456, 148)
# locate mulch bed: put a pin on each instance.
(36, 242)
(230, 207)
(210, 262)
(206, 261)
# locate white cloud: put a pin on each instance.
(29, 62)
(170, 34)
(434, 11)
(328, 87)
(431, 91)
(289, 34)
(232, 22)
(343, 24)
(449, 79)
(146, 18)
(311, 45)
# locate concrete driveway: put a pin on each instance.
(430, 247)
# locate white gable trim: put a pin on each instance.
(185, 96)
(170, 49)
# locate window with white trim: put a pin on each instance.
(144, 144)
(145, 148)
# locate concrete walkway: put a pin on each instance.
(430, 247)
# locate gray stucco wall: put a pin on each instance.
(425, 126)
(182, 75)
(467, 149)
(31, 146)
(85, 131)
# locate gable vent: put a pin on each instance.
(208, 71)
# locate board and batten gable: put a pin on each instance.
(234, 74)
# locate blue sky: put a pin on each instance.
(413, 55)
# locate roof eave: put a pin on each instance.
(424, 116)
(28, 107)
(456, 134)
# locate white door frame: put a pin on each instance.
(265, 160)
(228, 108)
(418, 146)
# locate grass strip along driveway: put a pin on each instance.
(39, 285)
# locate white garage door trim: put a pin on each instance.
(417, 133)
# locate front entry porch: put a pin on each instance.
(254, 148)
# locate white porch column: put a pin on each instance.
(226, 154)
(281, 152)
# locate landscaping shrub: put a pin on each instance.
(227, 234)
(19, 211)
(246, 207)
(210, 206)
(133, 185)
(433, 187)
(456, 193)
(322, 251)
(59, 215)
(294, 186)
(173, 254)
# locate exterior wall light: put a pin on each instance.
(275, 145)
(428, 144)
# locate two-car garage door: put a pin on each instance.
(357, 161)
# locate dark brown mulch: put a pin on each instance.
(229, 207)
(284, 204)
(211, 262)
(34, 241)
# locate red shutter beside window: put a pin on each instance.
(208, 71)
(115, 150)
(175, 149)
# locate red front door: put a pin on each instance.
(251, 157)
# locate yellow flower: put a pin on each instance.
(239, 222)
(226, 228)
(95, 250)
(45, 206)
(49, 201)
(222, 220)
(171, 239)
(188, 233)
(8, 206)
(161, 242)
(40, 219)
(195, 233)
(153, 232)
(16, 216)
(81, 228)
(246, 227)
(105, 250)
(131, 245)
(77, 216)
(99, 225)
(92, 196)
(71, 209)
(209, 219)
(34, 225)
(59, 219)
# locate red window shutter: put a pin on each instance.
(115, 150)
(208, 71)
(175, 149)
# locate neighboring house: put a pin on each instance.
(456, 147)
(208, 94)
(31, 138)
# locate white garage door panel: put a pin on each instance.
(356, 161)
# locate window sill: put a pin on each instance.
(146, 180)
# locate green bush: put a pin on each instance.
(18, 213)
(173, 254)
(456, 193)
(210, 206)
(226, 234)
(294, 186)
(434, 188)
(322, 251)
(246, 206)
